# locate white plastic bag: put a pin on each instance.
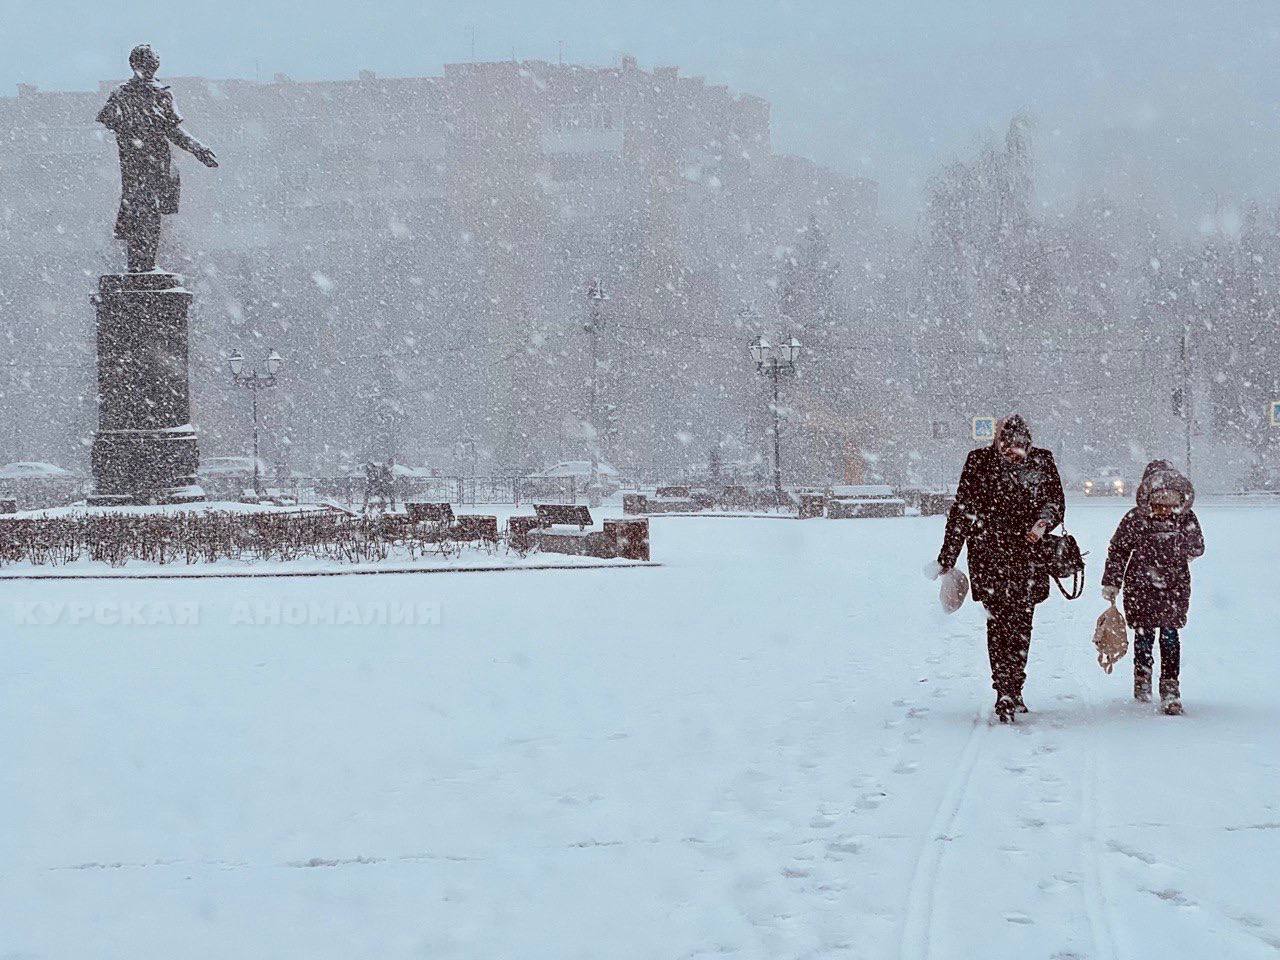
(1111, 637)
(953, 589)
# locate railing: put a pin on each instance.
(356, 492)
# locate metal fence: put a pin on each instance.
(355, 492)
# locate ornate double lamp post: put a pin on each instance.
(596, 296)
(253, 381)
(776, 368)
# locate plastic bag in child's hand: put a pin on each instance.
(954, 588)
(1111, 637)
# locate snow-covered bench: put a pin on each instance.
(569, 529)
(463, 527)
(864, 500)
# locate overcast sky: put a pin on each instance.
(874, 87)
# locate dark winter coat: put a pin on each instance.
(1150, 557)
(997, 503)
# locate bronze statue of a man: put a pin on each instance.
(141, 114)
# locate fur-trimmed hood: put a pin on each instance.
(1163, 475)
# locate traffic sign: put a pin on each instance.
(984, 428)
(1275, 413)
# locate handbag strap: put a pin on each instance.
(1077, 585)
(1077, 578)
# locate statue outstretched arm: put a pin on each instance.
(181, 138)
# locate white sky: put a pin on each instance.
(886, 89)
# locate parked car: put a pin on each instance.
(29, 484)
(1107, 483)
(1261, 479)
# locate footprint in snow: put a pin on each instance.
(1055, 884)
(845, 845)
(1132, 853)
(1176, 897)
(1017, 916)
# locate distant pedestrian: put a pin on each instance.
(1149, 559)
(1009, 497)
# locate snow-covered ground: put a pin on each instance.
(773, 746)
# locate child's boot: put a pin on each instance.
(1143, 661)
(1170, 662)
(1141, 683)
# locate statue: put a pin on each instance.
(146, 449)
(141, 114)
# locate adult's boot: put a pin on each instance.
(1005, 708)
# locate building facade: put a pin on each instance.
(423, 246)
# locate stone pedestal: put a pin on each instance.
(145, 448)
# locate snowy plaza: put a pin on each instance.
(773, 745)
(542, 480)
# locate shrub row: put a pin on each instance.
(209, 536)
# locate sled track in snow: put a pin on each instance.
(917, 924)
(1102, 921)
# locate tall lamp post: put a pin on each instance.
(776, 368)
(253, 381)
(595, 299)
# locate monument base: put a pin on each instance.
(145, 448)
(145, 466)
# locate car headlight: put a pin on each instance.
(1088, 485)
(1118, 484)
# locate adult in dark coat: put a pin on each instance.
(1149, 558)
(1009, 497)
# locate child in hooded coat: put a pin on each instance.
(1149, 559)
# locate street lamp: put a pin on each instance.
(595, 299)
(775, 368)
(253, 381)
